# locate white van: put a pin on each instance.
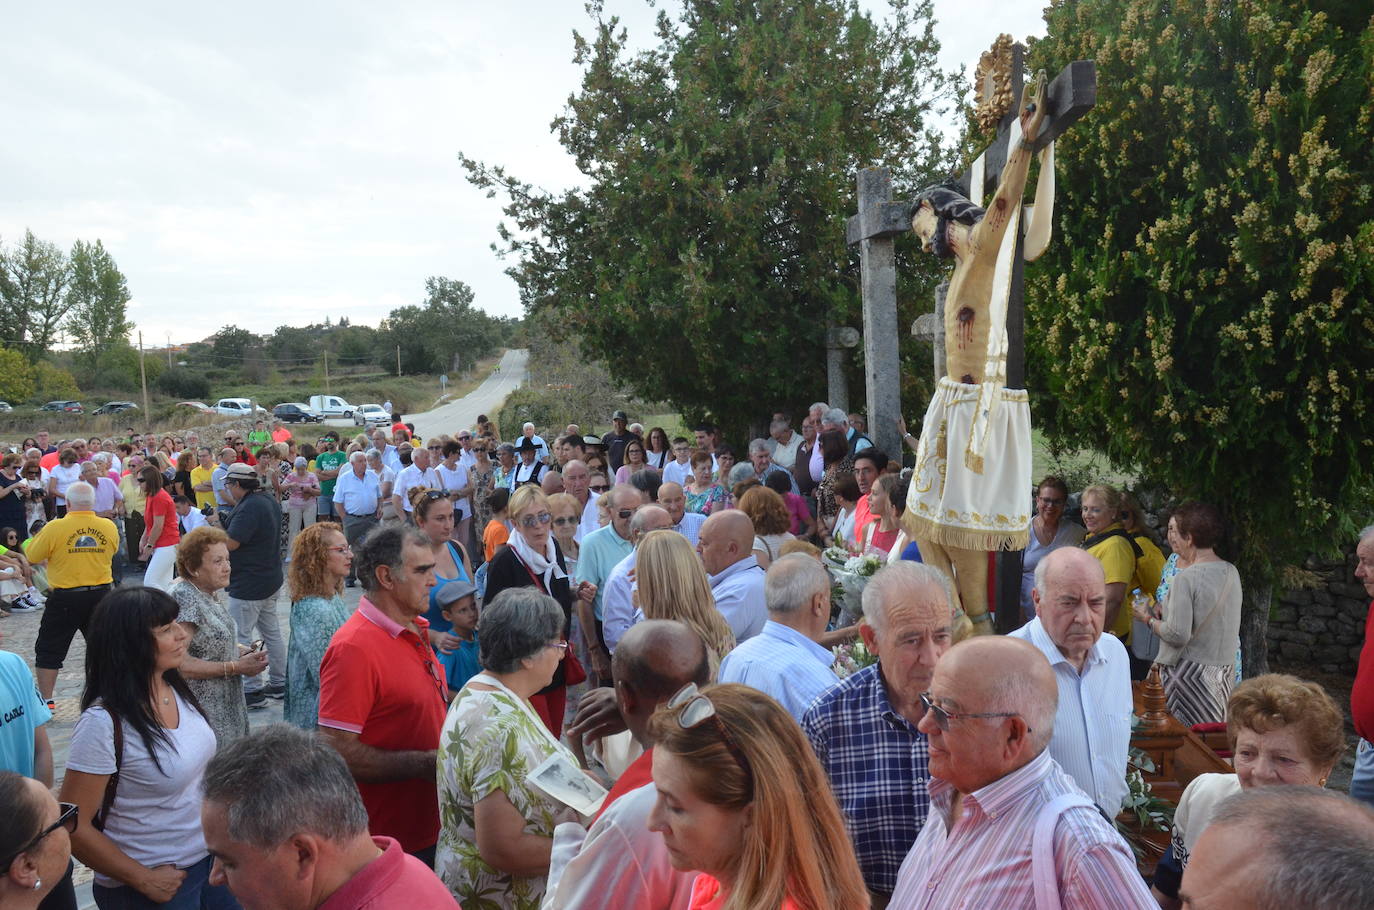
(330, 406)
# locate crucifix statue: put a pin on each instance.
(970, 491)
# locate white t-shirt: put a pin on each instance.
(411, 478)
(677, 473)
(66, 476)
(455, 480)
(155, 817)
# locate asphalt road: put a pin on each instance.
(485, 399)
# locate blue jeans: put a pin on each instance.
(1362, 780)
(195, 893)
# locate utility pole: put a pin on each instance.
(398, 360)
(143, 375)
(169, 350)
(326, 371)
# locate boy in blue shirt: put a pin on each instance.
(458, 602)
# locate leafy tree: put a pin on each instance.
(51, 382)
(97, 302)
(16, 377)
(706, 252)
(1205, 315)
(119, 369)
(431, 336)
(232, 345)
(33, 299)
(181, 382)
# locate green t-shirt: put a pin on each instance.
(257, 439)
(327, 461)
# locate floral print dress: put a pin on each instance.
(314, 620)
(491, 741)
(712, 499)
(215, 641)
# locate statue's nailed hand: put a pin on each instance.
(1033, 111)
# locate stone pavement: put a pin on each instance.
(18, 633)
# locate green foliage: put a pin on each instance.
(706, 252)
(33, 298)
(1205, 313)
(51, 383)
(16, 377)
(97, 301)
(446, 333)
(184, 383)
(118, 370)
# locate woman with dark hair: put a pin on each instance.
(140, 720)
(1199, 628)
(158, 545)
(635, 460)
(14, 494)
(35, 845)
(434, 516)
(836, 463)
(181, 480)
(1049, 530)
(658, 451)
(886, 538)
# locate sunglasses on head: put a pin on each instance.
(693, 709)
(68, 818)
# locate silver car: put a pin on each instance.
(370, 415)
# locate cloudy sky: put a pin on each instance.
(267, 163)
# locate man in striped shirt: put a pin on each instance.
(989, 717)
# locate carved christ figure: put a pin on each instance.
(970, 491)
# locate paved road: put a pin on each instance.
(485, 399)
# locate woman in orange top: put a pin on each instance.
(743, 800)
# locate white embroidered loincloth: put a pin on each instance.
(953, 503)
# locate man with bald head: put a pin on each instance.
(688, 524)
(994, 787)
(619, 862)
(1300, 847)
(726, 545)
(864, 730)
(1092, 728)
(618, 609)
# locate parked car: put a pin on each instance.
(238, 407)
(70, 407)
(330, 406)
(295, 412)
(114, 407)
(5, 407)
(196, 405)
(371, 415)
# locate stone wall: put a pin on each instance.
(1321, 626)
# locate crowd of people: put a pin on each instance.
(601, 671)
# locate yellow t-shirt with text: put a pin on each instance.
(79, 549)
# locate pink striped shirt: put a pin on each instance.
(985, 860)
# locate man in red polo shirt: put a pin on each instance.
(317, 856)
(619, 862)
(382, 690)
(869, 464)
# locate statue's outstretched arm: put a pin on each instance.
(987, 234)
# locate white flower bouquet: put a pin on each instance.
(851, 575)
(851, 658)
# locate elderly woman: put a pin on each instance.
(150, 850)
(670, 583)
(107, 496)
(836, 463)
(386, 481)
(35, 844)
(1049, 530)
(743, 801)
(532, 558)
(1283, 730)
(768, 512)
(1199, 630)
(497, 833)
(1110, 545)
(704, 495)
(320, 560)
(214, 667)
(302, 490)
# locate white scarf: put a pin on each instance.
(545, 564)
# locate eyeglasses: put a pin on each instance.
(435, 448)
(566, 520)
(601, 488)
(534, 521)
(1050, 503)
(68, 819)
(560, 645)
(343, 549)
(623, 514)
(464, 438)
(693, 709)
(943, 717)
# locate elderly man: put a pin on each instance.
(786, 660)
(552, 483)
(357, 503)
(1007, 827)
(1092, 728)
(390, 456)
(382, 691)
(1362, 692)
(618, 609)
(726, 546)
(317, 854)
(227, 458)
(1299, 847)
(615, 440)
(619, 862)
(672, 497)
(541, 448)
(762, 461)
(529, 469)
(79, 549)
(602, 550)
(420, 475)
(864, 730)
(783, 443)
(255, 576)
(576, 478)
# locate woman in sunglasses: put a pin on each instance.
(743, 801)
(148, 849)
(532, 558)
(35, 843)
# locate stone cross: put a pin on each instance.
(1068, 97)
(838, 339)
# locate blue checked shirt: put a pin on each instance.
(877, 764)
